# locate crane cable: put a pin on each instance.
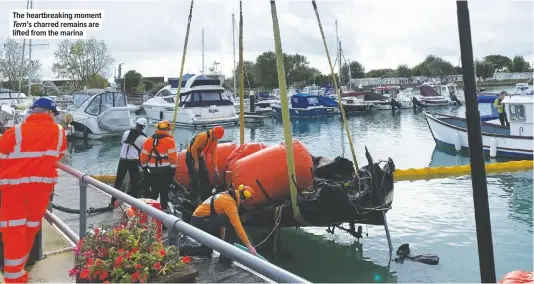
(338, 92)
(177, 100)
(241, 79)
(285, 116)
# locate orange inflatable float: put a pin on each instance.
(223, 151)
(243, 151)
(269, 167)
(517, 276)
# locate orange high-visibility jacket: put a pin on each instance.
(29, 151)
(224, 204)
(203, 143)
(159, 151)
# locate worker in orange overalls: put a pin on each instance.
(219, 211)
(158, 157)
(28, 156)
(202, 145)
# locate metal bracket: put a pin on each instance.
(388, 235)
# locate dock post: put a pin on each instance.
(388, 236)
(252, 103)
(174, 236)
(83, 208)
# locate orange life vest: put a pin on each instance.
(29, 151)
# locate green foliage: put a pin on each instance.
(129, 253)
(403, 71)
(484, 69)
(97, 81)
(379, 73)
(356, 71)
(500, 63)
(12, 68)
(519, 64)
(132, 80)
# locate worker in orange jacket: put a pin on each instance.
(221, 210)
(28, 155)
(158, 157)
(202, 145)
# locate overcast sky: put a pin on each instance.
(148, 36)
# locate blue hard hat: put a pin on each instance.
(45, 103)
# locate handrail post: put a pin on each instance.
(83, 208)
(174, 235)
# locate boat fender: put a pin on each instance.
(403, 253)
(458, 142)
(493, 147)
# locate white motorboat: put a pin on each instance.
(513, 141)
(398, 98)
(100, 113)
(202, 103)
(426, 96)
(523, 89)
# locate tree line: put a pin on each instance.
(89, 62)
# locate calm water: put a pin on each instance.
(435, 216)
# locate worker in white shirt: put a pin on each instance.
(131, 145)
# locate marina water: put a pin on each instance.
(434, 216)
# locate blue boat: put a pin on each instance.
(303, 106)
(485, 106)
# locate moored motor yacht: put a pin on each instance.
(397, 97)
(302, 106)
(426, 96)
(202, 103)
(100, 113)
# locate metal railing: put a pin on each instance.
(176, 226)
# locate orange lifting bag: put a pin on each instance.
(269, 167)
(517, 276)
(223, 151)
(243, 151)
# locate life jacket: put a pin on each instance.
(230, 192)
(154, 153)
(208, 146)
(130, 140)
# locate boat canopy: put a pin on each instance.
(200, 80)
(302, 100)
(367, 96)
(486, 108)
(427, 91)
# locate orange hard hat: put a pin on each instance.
(218, 132)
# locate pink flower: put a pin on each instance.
(73, 272)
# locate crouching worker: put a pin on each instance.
(202, 145)
(221, 210)
(158, 157)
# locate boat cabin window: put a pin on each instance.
(94, 107)
(313, 101)
(517, 112)
(169, 100)
(79, 98)
(104, 101)
(164, 93)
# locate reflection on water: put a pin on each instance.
(434, 216)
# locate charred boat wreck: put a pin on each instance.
(338, 195)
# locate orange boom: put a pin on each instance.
(223, 152)
(269, 167)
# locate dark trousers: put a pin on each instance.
(159, 186)
(132, 167)
(199, 179)
(212, 226)
(503, 119)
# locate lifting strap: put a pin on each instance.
(214, 196)
(205, 144)
(130, 140)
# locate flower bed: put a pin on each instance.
(129, 253)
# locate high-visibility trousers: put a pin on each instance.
(21, 211)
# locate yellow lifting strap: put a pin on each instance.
(241, 79)
(338, 92)
(285, 116)
(177, 100)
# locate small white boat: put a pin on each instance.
(426, 96)
(398, 99)
(202, 103)
(499, 141)
(100, 113)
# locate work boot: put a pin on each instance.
(224, 259)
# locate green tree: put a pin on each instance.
(297, 69)
(378, 73)
(484, 69)
(12, 68)
(499, 62)
(356, 71)
(435, 67)
(266, 68)
(82, 59)
(519, 64)
(97, 81)
(132, 79)
(403, 71)
(251, 76)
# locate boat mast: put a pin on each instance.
(476, 152)
(202, 51)
(234, 71)
(30, 62)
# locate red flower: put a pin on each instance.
(138, 266)
(73, 272)
(134, 250)
(118, 261)
(135, 276)
(121, 251)
(98, 262)
(106, 282)
(103, 275)
(185, 259)
(162, 252)
(143, 279)
(97, 230)
(103, 252)
(90, 261)
(157, 266)
(129, 254)
(85, 274)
